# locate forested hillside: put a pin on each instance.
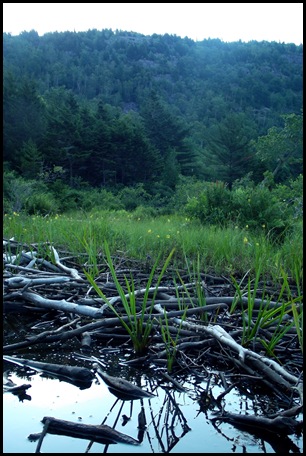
(117, 109)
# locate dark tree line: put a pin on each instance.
(119, 108)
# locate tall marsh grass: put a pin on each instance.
(221, 250)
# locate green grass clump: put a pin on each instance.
(138, 327)
(256, 320)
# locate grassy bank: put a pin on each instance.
(220, 250)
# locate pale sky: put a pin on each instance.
(280, 22)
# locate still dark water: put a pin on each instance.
(176, 422)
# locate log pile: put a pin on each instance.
(59, 305)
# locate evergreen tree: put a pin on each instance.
(31, 160)
(228, 153)
(281, 150)
(181, 89)
(167, 133)
(63, 141)
(136, 159)
(23, 116)
(164, 130)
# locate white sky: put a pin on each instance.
(280, 22)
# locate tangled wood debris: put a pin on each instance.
(61, 305)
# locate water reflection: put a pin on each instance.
(171, 421)
(163, 427)
(78, 376)
(170, 425)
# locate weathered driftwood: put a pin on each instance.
(21, 282)
(267, 367)
(173, 302)
(100, 433)
(56, 336)
(63, 305)
(71, 271)
(190, 311)
(13, 262)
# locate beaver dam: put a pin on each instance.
(146, 359)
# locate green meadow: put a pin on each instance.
(220, 250)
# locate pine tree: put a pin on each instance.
(228, 153)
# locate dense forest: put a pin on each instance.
(113, 109)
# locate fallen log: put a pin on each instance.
(267, 367)
(63, 305)
(21, 282)
(100, 433)
(53, 336)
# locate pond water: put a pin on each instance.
(176, 421)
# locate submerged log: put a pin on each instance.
(16, 389)
(120, 387)
(100, 433)
(78, 376)
(280, 424)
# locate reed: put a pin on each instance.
(255, 323)
(138, 326)
(169, 341)
(298, 321)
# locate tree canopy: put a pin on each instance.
(117, 109)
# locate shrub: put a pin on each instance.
(41, 204)
(213, 206)
(101, 200)
(255, 207)
(259, 209)
(17, 191)
(131, 197)
(144, 212)
(197, 207)
(186, 189)
(292, 195)
(86, 199)
(161, 198)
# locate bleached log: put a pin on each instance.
(21, 282)
(190, 311)
(268, 367)
(63, 305)
(71, 271)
